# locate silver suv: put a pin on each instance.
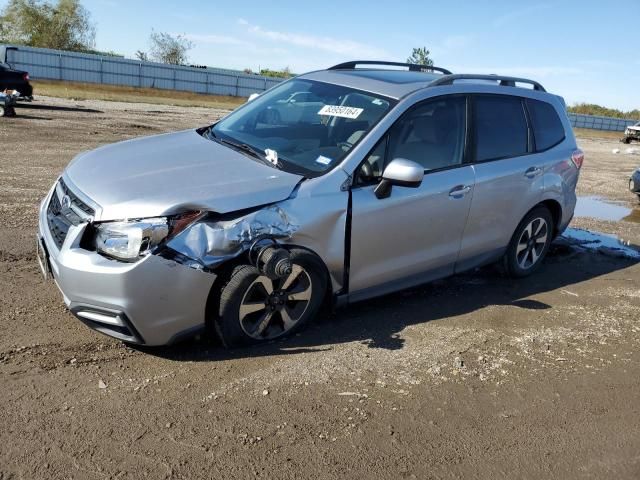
(333, 187)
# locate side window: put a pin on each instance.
(547, 127)
(500, 127)
(371, 169)
(431, 134)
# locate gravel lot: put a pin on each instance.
(476, 376)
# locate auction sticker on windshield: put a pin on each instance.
(340, 111)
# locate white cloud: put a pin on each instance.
(509, 17)
(534, 72)
(348, 48)
(215, 39)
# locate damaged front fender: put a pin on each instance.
(210, 242)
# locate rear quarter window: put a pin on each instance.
(547, 127)
(500, 127)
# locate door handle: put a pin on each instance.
(459, 191)
(533, 172)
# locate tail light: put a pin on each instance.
(25, 77)
(577, 158)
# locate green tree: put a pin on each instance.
(284, 73)
(140, 55)
(593, 109)
(420, 56)
(65, 25)
(166, 48)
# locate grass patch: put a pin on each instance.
(604, 134)
(116, 93)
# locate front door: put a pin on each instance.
(414, 235)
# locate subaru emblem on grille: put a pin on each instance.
(65, 202)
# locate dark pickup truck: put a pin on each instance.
(11, 79)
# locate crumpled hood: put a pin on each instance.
(173, 172)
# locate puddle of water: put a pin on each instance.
(634, 216)
(595, 207)
(600, 242)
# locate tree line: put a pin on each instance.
(593, 109)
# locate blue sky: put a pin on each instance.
(578, 49)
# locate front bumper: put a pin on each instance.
(154, 301)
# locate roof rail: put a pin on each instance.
(413, 67)
(504, 81)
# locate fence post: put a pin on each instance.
(140, 74)
(60, 65)
(238, 86)
(101, 71)
(265, 84)
(174, 78)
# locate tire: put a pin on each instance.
(1, 111)
(249, 315)
(525, 253)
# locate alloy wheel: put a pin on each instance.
(532, 243)
(270, 308)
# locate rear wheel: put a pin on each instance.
(530, 243)
(255, 309)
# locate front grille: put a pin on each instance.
(76, 201)
(59, 218)
(58, 223)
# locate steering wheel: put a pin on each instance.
(365, 173)
(345, 146)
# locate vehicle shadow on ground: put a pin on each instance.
(377, 322)
(34, 106)
(21, 116)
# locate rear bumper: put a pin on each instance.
(26, 90)
(634, 182)
(153, 301)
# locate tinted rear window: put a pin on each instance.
(547, 127)
(500, 126)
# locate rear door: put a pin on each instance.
(414, 235)
(509, 177)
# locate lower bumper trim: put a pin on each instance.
(109, 322)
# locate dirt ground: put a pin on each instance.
(476, 376)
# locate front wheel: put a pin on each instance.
(255, 309)
(529, 243)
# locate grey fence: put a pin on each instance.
(599, 123)
(42, 63)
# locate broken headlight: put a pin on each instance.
(129, 240)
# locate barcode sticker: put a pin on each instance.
(340, 111)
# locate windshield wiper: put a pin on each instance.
(245, 147)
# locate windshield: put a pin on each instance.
(303, 126)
